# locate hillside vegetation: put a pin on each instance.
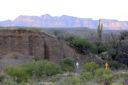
(110, 47)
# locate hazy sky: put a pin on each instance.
(108, 9)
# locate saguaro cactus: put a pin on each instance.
(99, 32)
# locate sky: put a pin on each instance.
(96, 9)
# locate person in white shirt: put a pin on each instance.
(77, 65)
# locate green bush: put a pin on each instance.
(103, 75)
(82, 43)
(70, 38)
(67, 65)
(94, 49)
(90, 67)
(102, 48)
(40, 68)
(9, 82)
(107, 74)
(117, 84)
(112, 52)
(70, 81)
(21, 28)
(32, 29)
(35, 29)
(86, 76)
(99, 74)
(18, 73)
(114, 64)
(2, 76)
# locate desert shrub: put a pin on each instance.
(67, 65)
(93, 82)
(90, 67)
(32, 29)
(99, 74)
(70, 81)
(55, 78)
(35, 29)
(114, 64)
(70, 38)
(9, 82)
(93, 49)
(118, 47)
(117, 84)
(83, 44)
(18, 73)
(2, 76)
(102, 48)
(30, 68)
(86, 76)
(107, 74)
(112, 52)
(103, 75)
(21, 28)
(40, 68)
(15, 56)
(123, 35)
(126, 75)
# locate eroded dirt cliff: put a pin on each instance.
(35, 44)
(23, 46)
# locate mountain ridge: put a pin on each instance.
(63, 21)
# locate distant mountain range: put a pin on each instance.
(64, 21)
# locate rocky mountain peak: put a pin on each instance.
(64, 21)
